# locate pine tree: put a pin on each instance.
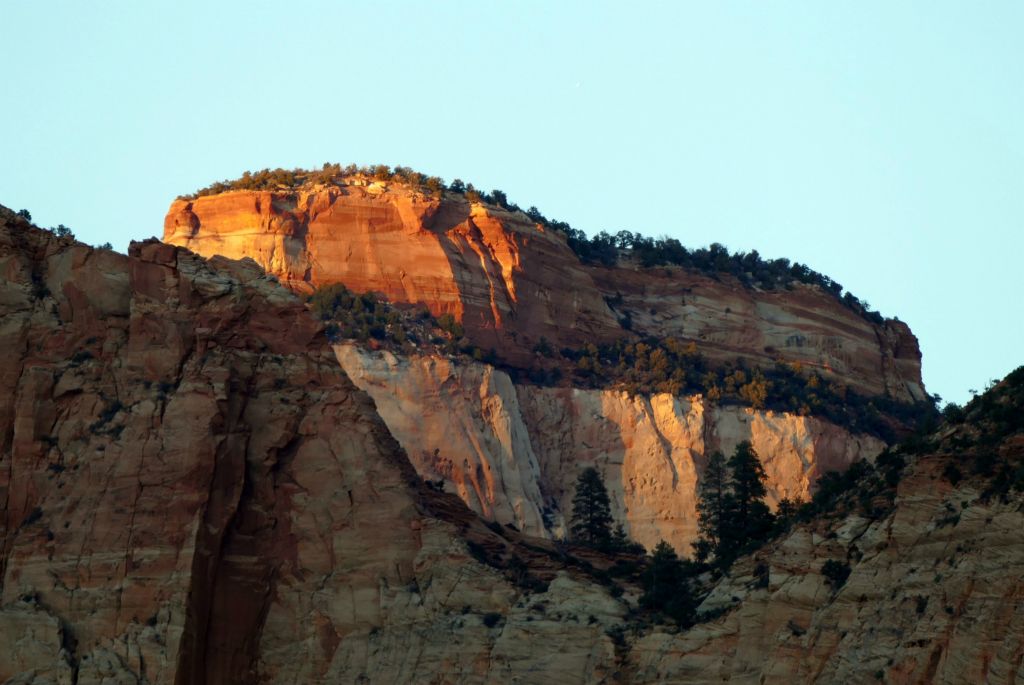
(730, 508)
(750, 518)
(591, 511)
(620, 542)
(713, 505)
(667, 587)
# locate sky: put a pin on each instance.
(880, 143)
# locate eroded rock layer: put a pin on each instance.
(935, 594)
(192, 491)
(511, 282)
(513, 452)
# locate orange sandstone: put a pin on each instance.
(512, 282)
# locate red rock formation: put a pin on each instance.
(511, 282)
(162, 418)
(192, 491)
(495, 271)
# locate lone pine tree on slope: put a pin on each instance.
(591, 521)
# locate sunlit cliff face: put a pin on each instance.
(513, 452)
(511, 282)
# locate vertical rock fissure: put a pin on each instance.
(227, 483)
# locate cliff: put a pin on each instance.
(192, 490)
(512, 281)
(513, 451)
(935, 584)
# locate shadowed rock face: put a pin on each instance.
(192, 491)
(511, 282)
(161, 416)
(935, 595)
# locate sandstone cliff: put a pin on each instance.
(513, 452)
(193, 491)
(935, 592)
(512, 282)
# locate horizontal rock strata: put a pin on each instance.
(512, 282)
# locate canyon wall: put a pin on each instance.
(496, 271)
(192, 490)
(513, 452)
(512, 282)
(935, 594)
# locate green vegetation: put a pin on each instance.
(748, 267)
(982, 429)
(591, 522)
(667, 365)
(329, 174)
(713, 504)
(733, 519)
(60, 230)
(356, 316)
(748, 518)
(265, 179)
(366, 317)
(979, 447)
(668, 586)
(732, 514)
(647, 366)
(836, 573)
(974, 444)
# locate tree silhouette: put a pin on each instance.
(713, 506)
(730, 508)
(667, 587)
(749, 510)
(591, 521)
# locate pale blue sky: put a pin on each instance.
(881, 143)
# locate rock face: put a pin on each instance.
(494, 270)
(511, 282)
(192, 491)
(513, 452)
(935, 595)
